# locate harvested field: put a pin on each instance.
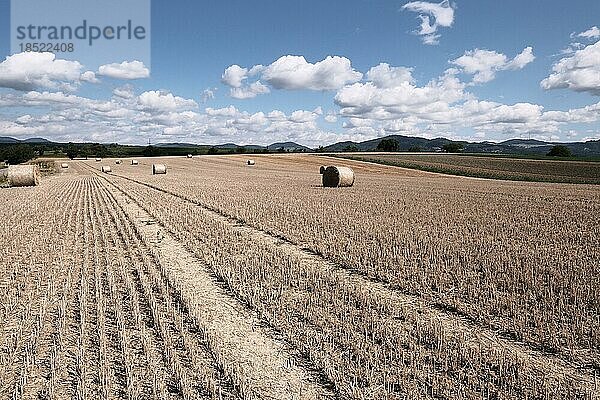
(222, 281)
(513, 169)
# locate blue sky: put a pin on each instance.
(475, 70)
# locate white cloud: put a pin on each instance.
(248, 91)
(300, 116)
(368, 100)
(442, 14)
(522, 59)
(24, 119)
(234, 75)
(208, 94)
(29, 71)
(384, 76)
(294, 72)
(161, 101)
(89, 76)
(34, 98)
(579, 72)
(124, 92)
(126, 70)
(440, 108)
(483, 64)
(230, 111)
(331, 117)
(443, 107)
(291, 73)
(388, 101)
(592, 33)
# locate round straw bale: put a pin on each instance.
(98, 159)
(338, 177)
(23, 175)
(106, 169)
(250, 162)
(159, 169)
(117, 162)
(190, 156)
(322, 169)
(64, 165)
(134, 162)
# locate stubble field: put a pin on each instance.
(222, 280)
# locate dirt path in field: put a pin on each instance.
(260, 365)
(475, 337)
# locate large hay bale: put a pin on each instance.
(159, 169)
(106, 169)
(134, 162)
(64, 165)
(250, 162)
(322, 169)
(117, 162)
(23, 175)
(338, 177)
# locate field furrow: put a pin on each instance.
(433, 329)
(221, 280)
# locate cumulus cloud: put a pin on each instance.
(389, 100)
(124, 92)
(432, 15)
(290, 73)
(294, 72)
(367, 99)
(125, 70)
(443, 106)
(248, 91)
(234, 75)
(164, 101)
(331, 117)
(592, 33)
(208, 94)
(160, 115)
(89, 76)
(31, 70)
(384, 76)
(483, 64)
(229, 111)
(579, 72)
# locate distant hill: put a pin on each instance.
(187, 145)
(231, 146)
(590, 148)
(527, 143)
(288, 146)
(36, 140)
(227, 146)
(405, 143)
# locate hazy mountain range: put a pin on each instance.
(405, 143)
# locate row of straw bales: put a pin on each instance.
(28, 175)
(157, 169)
